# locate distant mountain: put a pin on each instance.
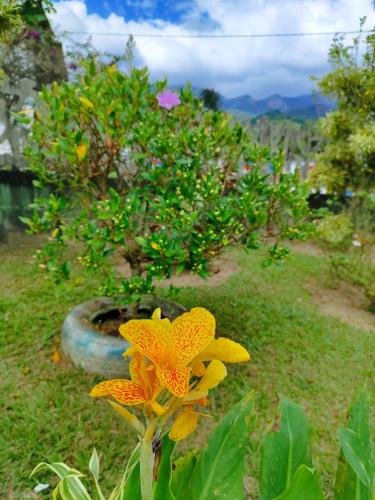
(307, 106)
(300, 108)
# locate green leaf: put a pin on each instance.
(284, 451)
(219, 470)
(71, 487)
(94, 464)
(355, 471)
(182, 476)
(130, 486)
(355, 453)
(162, 487)
(94, 469)
(304, 486)
(59, 468)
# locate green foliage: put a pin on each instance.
(284, 451)
(335, 231)
(356, 469)
(348, 159)
(10, 20)
(304, 484)
(161, 188)
(219, 468)
(162, 485)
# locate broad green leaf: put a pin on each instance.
(304, 486)
(132, 486)
(182, 475)
(284, 451)
(131, 482)
(162, 487)
(355, 471)
(219, 470)
(356, 454)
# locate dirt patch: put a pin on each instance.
(221, 268)
(306, 248)
(345, 302)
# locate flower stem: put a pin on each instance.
(147, 462)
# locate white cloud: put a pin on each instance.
(258, 66)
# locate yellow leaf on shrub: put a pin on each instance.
(81, 151)
(86, 102)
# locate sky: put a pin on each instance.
(233, 66)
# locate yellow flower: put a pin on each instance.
(172, 346)
(143, 388)
(155, 246)
(168, 363)
(187, 421)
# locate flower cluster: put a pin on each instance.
(172, 368)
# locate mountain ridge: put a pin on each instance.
(302, 107)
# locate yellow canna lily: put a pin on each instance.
(143, 388)
(224, 350)
(187, 421)
(171, 347)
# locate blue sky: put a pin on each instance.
(233, 66)
(167, 10)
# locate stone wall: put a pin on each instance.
(13, 136)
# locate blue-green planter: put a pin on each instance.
(97, 352)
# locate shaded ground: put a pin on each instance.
(45, 410)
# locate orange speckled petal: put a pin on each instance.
(224, 350)
(175, 380)
(124, 391)
(152, 338)
(185, 423)
(192, 332)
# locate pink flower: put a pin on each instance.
(32, 34)
(168, 99)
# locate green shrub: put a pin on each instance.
(335, 231)
(162, 188)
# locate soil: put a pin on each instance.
(345, 301)
(221, 268)
(109, 323)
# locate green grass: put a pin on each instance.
(46, 413)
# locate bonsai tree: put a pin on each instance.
(145, 173)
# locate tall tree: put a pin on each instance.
(348, 158)
(211, 99)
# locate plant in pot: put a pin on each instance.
(144, 174)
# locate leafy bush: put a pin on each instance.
(148, 175)
(347, 160)
(335, 231)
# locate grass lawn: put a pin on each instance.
(46, 413)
